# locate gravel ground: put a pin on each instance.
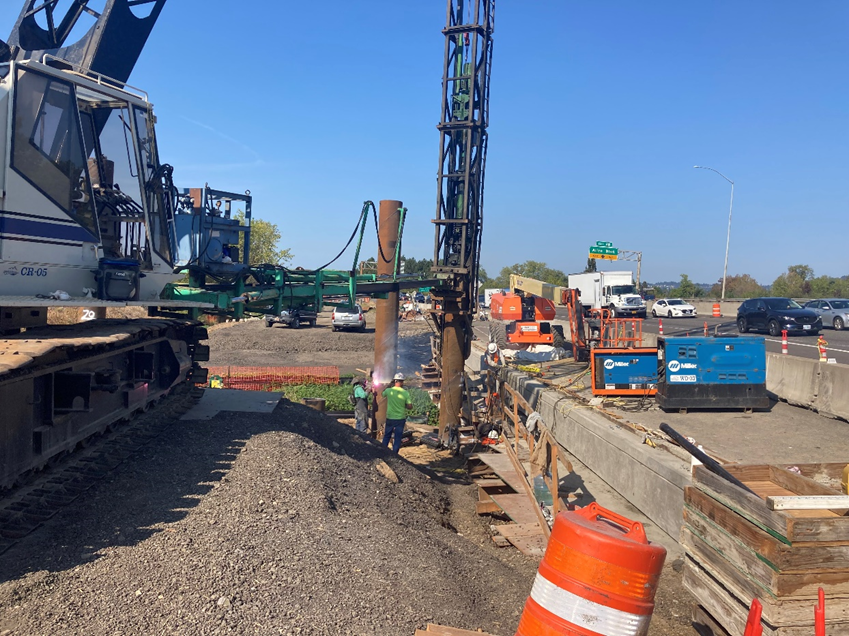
(275, 524)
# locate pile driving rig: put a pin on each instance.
(459, 217)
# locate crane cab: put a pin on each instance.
(85, 198)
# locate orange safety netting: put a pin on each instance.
(271, 378)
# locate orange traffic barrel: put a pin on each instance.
(598, 576)
(716, 312)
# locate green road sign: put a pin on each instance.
(608, 251)
(603, 244)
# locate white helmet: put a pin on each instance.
(492, 347)
(398, 376)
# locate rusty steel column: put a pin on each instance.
(386, 311)
(455, 323)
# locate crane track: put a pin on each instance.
(26, 507)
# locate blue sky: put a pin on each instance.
(599, 111)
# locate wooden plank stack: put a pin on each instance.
(739, 548)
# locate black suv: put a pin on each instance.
(776, 315)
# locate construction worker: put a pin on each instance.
(361, 406)
(493, 356)
(398, 402)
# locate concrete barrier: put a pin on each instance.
(809, 383)
(833, 392)
(652, 479)
(792, 379)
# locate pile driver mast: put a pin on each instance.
(459, 217)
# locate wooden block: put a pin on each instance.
(782, 555)
(777, 611)
(487, 507)
(503, 467)
(518, 507)
(441, 630)
(706, 624)
(500, 541)
(807, 502)
(798, 525)
(512, 530)
(731, 613)
(720, 553)
(532, 546)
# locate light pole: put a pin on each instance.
(728, 238)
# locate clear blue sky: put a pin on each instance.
(599, 111)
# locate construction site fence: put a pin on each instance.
(270, 378)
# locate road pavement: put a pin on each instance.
(804, 346)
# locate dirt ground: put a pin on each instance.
(253, 344)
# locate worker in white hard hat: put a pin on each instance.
(398, 402)
(492, 359)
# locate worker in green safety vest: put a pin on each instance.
(398, 402)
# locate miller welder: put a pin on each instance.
(717, 372)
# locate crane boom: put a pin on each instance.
(110, 47)
(537, 288)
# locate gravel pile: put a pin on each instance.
(287, 523)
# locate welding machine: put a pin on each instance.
(717, 372)
(623, 371)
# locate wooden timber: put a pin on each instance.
(740, 548)
(441, 630)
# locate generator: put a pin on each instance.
(624, 371)
(726, 371)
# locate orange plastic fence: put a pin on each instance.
(271, 378)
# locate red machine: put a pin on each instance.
(525, 316)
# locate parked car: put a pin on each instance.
(347, 317)
(420, 297)
(834, 312)
(672, 308)
(776, 315)
(293, 317)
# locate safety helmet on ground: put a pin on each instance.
(492, 347)
(398, 376)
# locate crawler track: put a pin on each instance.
(25, 508)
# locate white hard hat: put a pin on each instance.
(492, 347)
(399, 376)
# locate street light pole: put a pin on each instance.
(728, 238)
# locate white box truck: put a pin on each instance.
(487, 294)
(612, 290)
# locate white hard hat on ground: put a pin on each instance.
(492, 347)
(399, 376)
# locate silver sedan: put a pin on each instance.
(833, 311)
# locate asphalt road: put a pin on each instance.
(804, 346)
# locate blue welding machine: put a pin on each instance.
(623, 371)
(718, 372)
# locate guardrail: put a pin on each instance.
(809, 383)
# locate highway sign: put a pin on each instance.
(603, 244)
(604, 257)
(609, 251)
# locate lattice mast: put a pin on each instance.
(459, 216)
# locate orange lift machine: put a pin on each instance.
(523, 319)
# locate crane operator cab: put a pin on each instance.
(86, 205)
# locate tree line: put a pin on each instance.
(797, 282)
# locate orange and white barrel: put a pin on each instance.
(716, 311)
(599, 576)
